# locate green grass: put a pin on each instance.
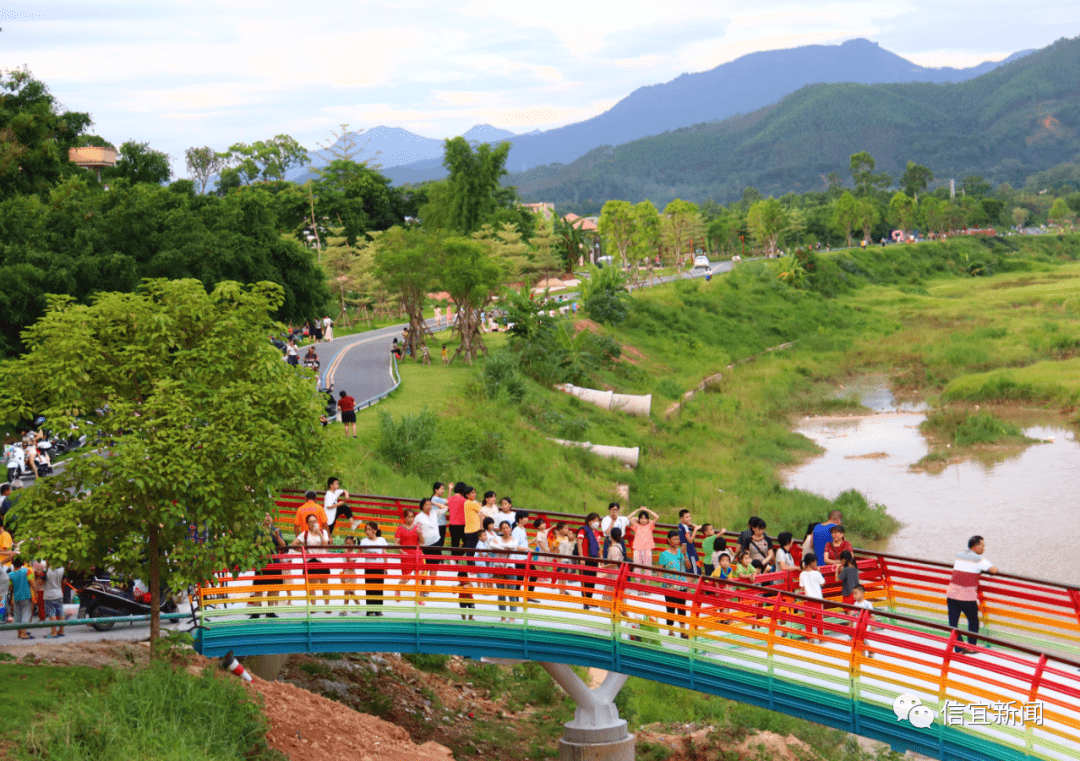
(1046, 382)
(153, 713)
(962, 428)
(29, 691)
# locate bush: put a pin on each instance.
(501, 376)
(963, 429)
(156, 713)
(409, 445)
(606, 307)
(426, 662)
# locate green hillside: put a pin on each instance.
(1005, 125)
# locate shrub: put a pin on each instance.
(962, 429)
(426, 662)
(501, 376)
(409, 444)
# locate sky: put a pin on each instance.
(182, 73)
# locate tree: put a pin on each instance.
(915, 179)
(681, 227)
(976, 186)
(343, 266)
(472, 277)
(545, 256)
(647, 232)
(617, 225)
(35, 135)
(198, 423)
(472, 192)
(571, 240)
(1060, 213)
(723, 232)
(1020, 216)
(202, 164)
(846, 215)
(138, 162)
(862, 173)
(266, 159)
(405, 261)
(766, 221)
(901, 211)
(866, 215)
(934, 214)
(346, 147)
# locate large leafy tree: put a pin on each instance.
(268, 160)
(617, 224)
(915, 179)
(902, 211)
(682, 227)
(138, 162)
(198, 423)
(862, 173)
(405, 261)
(471, 195)
(202, 164)
(79, 241)
(767, 221)
(472, 274)
(846, 214)
(35, 135)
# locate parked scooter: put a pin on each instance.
(100, 599)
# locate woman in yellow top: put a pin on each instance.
(472, 519)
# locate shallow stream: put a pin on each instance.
(1025, 505)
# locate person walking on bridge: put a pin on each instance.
(962, 594)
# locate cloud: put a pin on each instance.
(647, 40)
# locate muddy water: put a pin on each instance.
(1025, 505)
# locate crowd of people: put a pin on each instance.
(465, 528)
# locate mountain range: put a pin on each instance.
(736, 87)
(1017, 118)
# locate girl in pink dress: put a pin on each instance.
(643, 536)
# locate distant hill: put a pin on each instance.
(737, 87)
(1006, 124)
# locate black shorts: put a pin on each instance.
(348, 416)
(432, 553)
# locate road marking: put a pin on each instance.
(337, 359)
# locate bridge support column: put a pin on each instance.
(596, 733)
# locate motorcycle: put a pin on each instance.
(100, 599)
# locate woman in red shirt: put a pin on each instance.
(347, 407)
(407, 536)
(455, 518)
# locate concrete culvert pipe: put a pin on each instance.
(608, 400)
(625, 455)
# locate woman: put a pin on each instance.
(474, 522)
(311, 359)
(438, 490)
(270, 576)
(318, 572)
(428, 522)
(372, 544)
(506, 512)
(293, 353)
(489, 509)
(407, 537)
(505, 540)
(455, 515)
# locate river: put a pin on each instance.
(1023, 505)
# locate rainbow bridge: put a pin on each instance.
(892, 674)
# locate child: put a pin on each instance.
(445, 355)
(463, 594)
(22, 597)
(848, 576)
(744, 569)
(643, 536)
(687, 534)
(784, 559)
(425, 355)
(723, 570)
(708, 545)
(836, 546)
(860, 601)
(810, 584)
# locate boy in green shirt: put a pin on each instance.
(674, 559)
(708, 546)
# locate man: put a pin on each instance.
(5, 500)
(589, 547)
(53, 595)
(823, 533)
(687, 535)
(614, 520)
(311, 507)
(962, 594)
(674, 559)
(334, 504)
(347, 406)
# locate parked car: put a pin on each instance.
(701, 261)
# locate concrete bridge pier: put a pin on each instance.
(596, 733)
(265, 666)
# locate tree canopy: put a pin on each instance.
(197, 424)
(467, 199)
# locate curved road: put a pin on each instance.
(360, 364)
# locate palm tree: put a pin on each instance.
(572, 239)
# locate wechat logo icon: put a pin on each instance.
(908, 707)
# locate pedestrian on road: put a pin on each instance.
(962, 594)
(347, 407)
(54, 599)
(292, 353)
(438, 317)
(328, 328)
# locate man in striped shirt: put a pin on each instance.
(962, 594)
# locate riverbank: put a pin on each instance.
(721, 454)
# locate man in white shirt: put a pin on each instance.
(614, 520)
(334, 504)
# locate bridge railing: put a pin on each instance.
(723, 637)
(1034, 612)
